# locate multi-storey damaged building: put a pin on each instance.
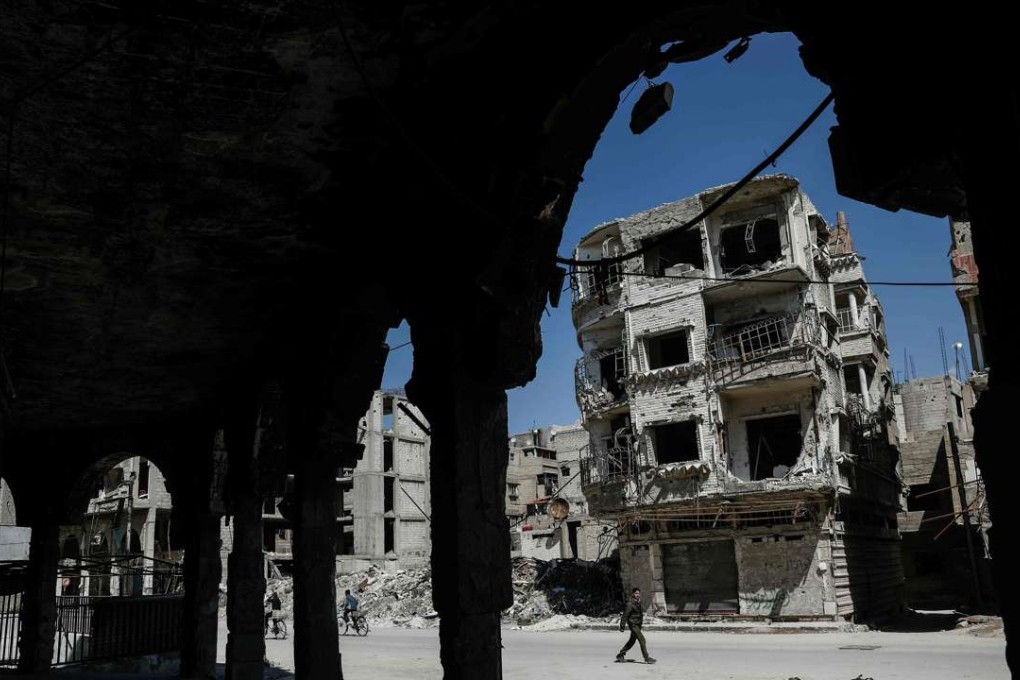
(542, 482)
(734, 385)
(965, 276)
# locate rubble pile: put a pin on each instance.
(552, 593)
(563, 588)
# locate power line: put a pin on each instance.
(403, 344)
(783, 281)
(726, 195)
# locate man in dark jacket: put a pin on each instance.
(633, 617)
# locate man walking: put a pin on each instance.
(633, 617)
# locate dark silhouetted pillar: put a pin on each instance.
(39, 606)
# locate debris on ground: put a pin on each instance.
(550, 594)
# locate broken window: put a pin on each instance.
(547, 480)
(676, 249)
(612, 369)
(269, 506)
(387, 448)
(669, 349)
(513, 490)
(773, 445)
(143, 477)
(675, 442)
(754, 244)
(750, 341)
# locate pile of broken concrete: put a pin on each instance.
(547, 594)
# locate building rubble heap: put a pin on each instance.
(556, 590)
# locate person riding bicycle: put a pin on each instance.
(350, 605)
(272, 606)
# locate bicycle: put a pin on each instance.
(358, 622)
(278, 627)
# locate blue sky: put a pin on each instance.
(725, 119)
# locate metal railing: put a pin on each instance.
(846, 321)
(608, 464)
(752, 341)
(594, 281)
(12, 585)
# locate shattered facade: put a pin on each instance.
(734, 383)
(383, 502)
(943, 568)
(544, 466)
(128, 516)
(965, 276)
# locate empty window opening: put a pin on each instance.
(269, 506)
(959, 406)
(548, 483)
(268, 538)
(675, 442)
(565, 471)
(669, 349)
(388, 531)
(774, 444)
(387, 413)
(852, 378)
(750, 341)
(612, 368)
(387, 452)
(143, 477)
(513, 490)
(752, 245)
(388, 488)
(681, 248)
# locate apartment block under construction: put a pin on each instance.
(736, 390)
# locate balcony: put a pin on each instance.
(775, 347)
(599, 381)
(605, 465)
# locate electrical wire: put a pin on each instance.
(783, 281)
(716, 204)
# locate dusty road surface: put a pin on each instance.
(586, 655)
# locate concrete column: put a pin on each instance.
(470, 537)
(862, 375)
(149, 547)
(202, 570)
(854, 314)
(246, 585)
(989, 130)
(39, 604)
(316, 638)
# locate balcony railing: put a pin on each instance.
(846, 321)
(595, 281)
(607, 465)
(599, 379)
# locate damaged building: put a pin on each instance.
(945, 524)
(545, 503)
(735, 386)
(383, 502)
(965, 276)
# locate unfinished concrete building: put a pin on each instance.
(383, 502)
(945, 524)
(965, 275)
(738, 414)
(543, 470)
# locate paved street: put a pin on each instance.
(584, 655)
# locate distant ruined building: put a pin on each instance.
(736, 389)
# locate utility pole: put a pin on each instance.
(966, 514)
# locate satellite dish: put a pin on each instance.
(558, 509)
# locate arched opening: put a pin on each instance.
(123, 543)
(633, 331)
